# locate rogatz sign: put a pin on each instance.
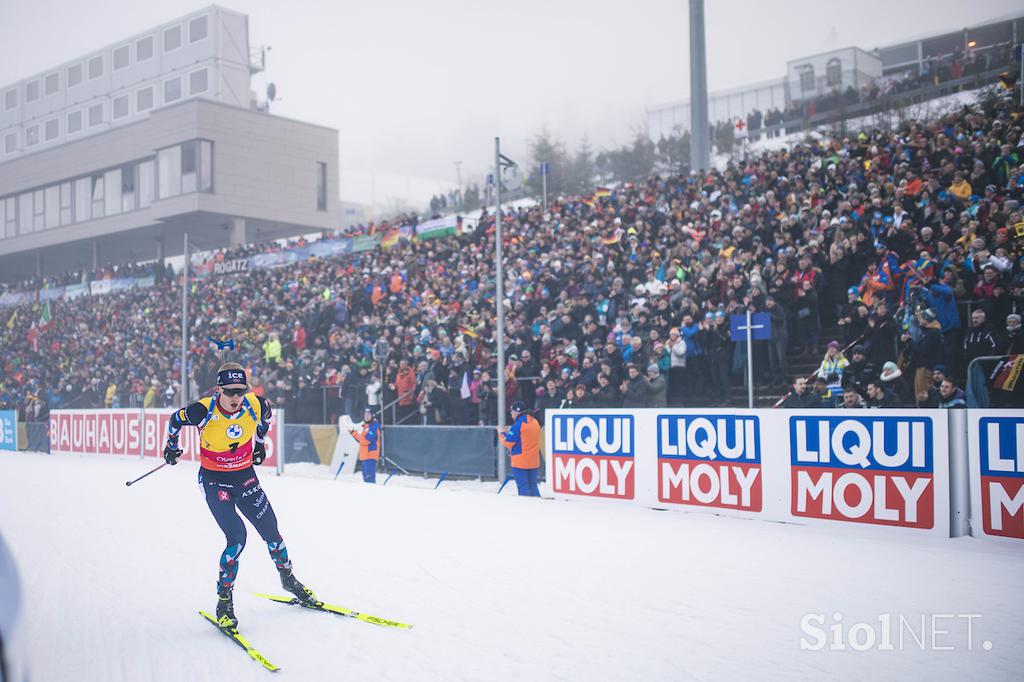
(231, 266)
(593, 455)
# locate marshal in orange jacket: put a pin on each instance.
(523, 438)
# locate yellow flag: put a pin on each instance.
(10, 322)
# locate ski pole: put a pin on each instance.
(151, 471)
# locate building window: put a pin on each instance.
(122, 106)
(205, 166)
(25, 213)
(112, 187)
(96, 67)
(122, 57)
(197, 82)
(806, 78)
(10, 99)
(189, 166)
(169, 171)
(52, 84)
(834, 72)
(172, 38)
(12, 217)
(39, 215)
(321, 186)
(31, 91)
(10, 143)
(51, 129)
(74, 123)
(147, 183)
(31, 136)
(197, 29)
(172, 90)
(97, 195)
(52, 210)
(144, 99)
(74, 75)
(65, 203)
(95, 115)
(83, 199)
(143, 49)
(128, 187)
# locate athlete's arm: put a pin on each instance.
(193, 415)
(264, 425)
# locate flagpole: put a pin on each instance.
(499, 300)
(544, 182)
(184, 327)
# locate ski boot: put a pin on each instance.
(301, 592)
(225, 607)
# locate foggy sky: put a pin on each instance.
(415, 86)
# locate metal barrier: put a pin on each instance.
(453, 450)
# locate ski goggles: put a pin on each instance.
(233, 392)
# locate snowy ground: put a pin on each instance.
(498, 588)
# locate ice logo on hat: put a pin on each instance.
(234, 431)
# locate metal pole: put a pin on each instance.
(499, 300)
(750, 364)
(700, 142)
(544, 183)
(184, 327)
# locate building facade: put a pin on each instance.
(112, 157)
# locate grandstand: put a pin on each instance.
(902, 247)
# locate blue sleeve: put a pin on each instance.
(513, 433)
(265, 415)
(193, 415)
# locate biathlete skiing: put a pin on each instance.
(232, 426)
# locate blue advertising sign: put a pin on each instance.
(760, 327)
(8, 430)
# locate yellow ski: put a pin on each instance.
(242, 642)
(338, 611)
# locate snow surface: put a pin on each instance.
(497, 587)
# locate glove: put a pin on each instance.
(171, 454)
(259, 453)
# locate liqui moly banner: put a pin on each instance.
(131, 433)
(710, 460)
(858, 469)
(592, 455)
(996, 460)
(863, 469)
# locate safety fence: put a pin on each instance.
(939, 472)
(944, 473)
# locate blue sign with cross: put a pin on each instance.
(760, 327)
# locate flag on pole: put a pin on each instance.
(14, 318)
(509, 174)
(46, 318)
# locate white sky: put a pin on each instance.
(415, 86)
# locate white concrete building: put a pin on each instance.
(111, 157)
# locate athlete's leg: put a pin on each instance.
(255, 506)
(221, 504)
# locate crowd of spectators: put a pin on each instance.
(932, 72)
(620, 298)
